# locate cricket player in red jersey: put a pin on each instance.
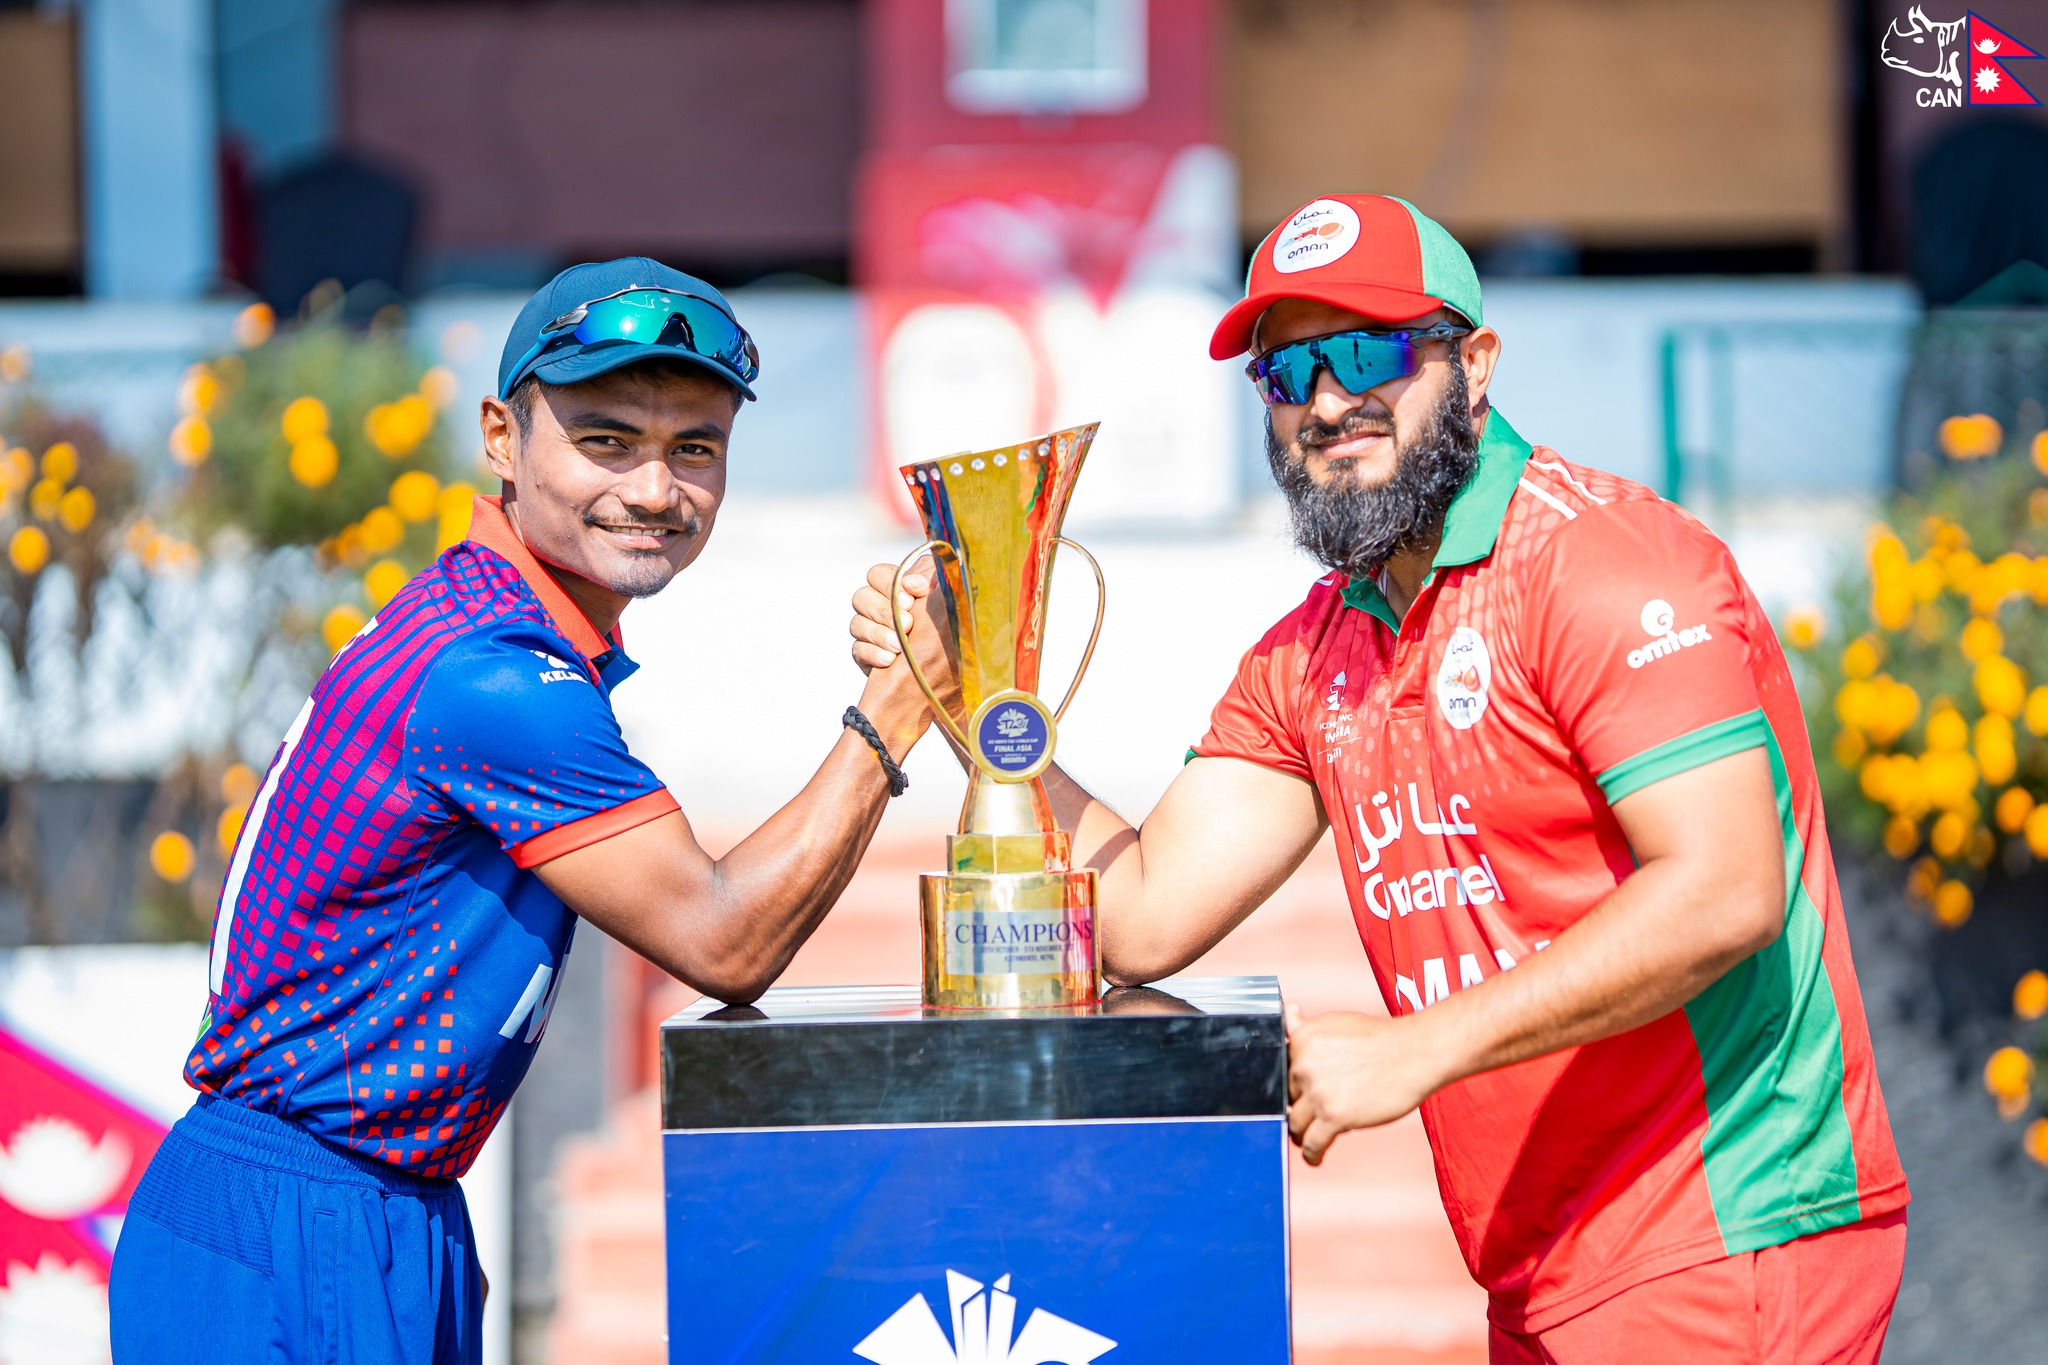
(1579, 826)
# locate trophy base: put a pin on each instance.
(1009, 940)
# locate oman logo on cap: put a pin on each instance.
(1319, 234)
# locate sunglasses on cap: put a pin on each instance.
(652, 317)
(1358, 361)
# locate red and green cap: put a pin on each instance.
(1371, 253)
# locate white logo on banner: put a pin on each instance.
(982, 1319)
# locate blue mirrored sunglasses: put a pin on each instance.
(652, 317)
(1358, 361)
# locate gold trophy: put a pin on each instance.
(1010, 924)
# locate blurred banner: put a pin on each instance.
(92, 1051)
(1047, 233)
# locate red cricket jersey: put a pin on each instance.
(1578, 639)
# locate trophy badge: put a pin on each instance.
(1010, 924)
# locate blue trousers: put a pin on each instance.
(251, 1242)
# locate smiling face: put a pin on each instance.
(616, 479)
(1368, 475)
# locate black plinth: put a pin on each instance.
(846, 1171)
(871, 1054)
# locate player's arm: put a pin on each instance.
(1709, 891)
(1222, 839)
(729, 926)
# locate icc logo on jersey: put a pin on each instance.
(1463, 678)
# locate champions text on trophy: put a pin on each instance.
(1010, 924)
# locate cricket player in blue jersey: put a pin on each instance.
(455, 795)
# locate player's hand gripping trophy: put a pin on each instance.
(1010, 924)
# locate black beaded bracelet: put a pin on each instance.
(865, 728)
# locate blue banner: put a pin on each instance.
(997, 1244)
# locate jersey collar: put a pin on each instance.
(1472, 522)
(490, 528)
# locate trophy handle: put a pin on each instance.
(1101, 603)
(939, 711)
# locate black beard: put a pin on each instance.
(1355, 529)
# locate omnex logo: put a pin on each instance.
(982, 1322)
(1658, 620)
(1936, 50)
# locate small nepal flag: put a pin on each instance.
(1990, 82)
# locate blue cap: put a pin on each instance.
(570, 361)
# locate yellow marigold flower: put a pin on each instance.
(339, 626)
(1898, 706)
(384, 580)
(1926, 579)
(1901, 837)
(29, 549)
(381, 530)
(1952, 903)
(2040, 452)
(1849, 748)
(198, 391)
(1947, 836)
(1961, 569)
(2036, 831)
(2036, 1141)
(1970, 438)
(1891, 604)
(1946, 729)
(253, 326)
(1980, 638)
(170, 856)
(1804, 626)
(453, 509)
(229, 829)
(397, 428)
(44, 497)
(314, 461)
(1997, 759)
(415, 495)
(1882, 545)
(1857, 703)
(75, 510)
(238, 784)
(1949, 777)
(439, 386)
(2030, 995)
(2009, 1073)
(304, 418)
(17, 470)
(2012, 808)
(2001, 686)
(191, 440)
(1925, 876)
(60, 462)
(1860, 659)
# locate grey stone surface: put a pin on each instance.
(1977, 1233)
